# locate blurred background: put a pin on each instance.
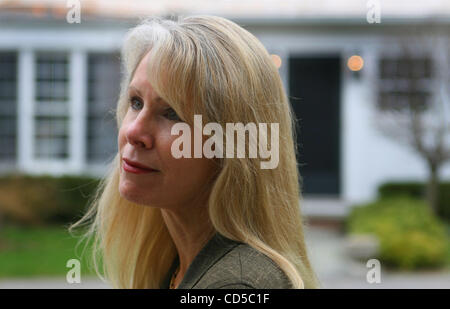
(369, 84)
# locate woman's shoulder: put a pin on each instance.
(244, 267)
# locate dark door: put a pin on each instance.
(314, 86)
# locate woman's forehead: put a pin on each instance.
(140, 82)
(140, 77)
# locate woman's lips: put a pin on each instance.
(130, 167)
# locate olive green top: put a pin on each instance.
(226, 264)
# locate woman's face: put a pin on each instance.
(145, 139)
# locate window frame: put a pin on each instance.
(74, 162)
(384, 85)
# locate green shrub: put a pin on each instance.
(418, 190)
(410, 236)
(26, 199)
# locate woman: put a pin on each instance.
(166, 222)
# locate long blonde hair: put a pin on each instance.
(210, 66)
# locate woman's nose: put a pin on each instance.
(139, 133)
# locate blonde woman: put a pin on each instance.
(165, 222)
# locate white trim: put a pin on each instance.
(77, 140)
(62, 39)
(25, 113)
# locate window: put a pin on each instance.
(51, 132)
(103, 92)
(8, 106)
(405, 82)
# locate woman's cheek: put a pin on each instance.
(121, 137)
(166, 141)
(122, 134)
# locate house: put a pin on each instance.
(59, 82)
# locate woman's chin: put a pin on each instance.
(139, 196)
(131, 193)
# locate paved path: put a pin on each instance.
(336, 270)
(52, 283)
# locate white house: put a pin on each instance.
(59, 82)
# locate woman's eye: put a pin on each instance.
(171, 115)
(136, 103)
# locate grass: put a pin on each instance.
(39, 251)
(447, 225)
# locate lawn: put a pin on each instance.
(39, 251)
(447, 224)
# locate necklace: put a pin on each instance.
(172, 280)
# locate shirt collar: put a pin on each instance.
(213, 251)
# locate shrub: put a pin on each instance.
(418, 190)
(410, 236)
(26, 199)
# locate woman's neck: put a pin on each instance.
(190, 232)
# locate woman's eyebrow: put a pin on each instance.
(156, 99)
(135, 89)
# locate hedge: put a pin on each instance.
(418, 190)
(410, 236)
(26, 199)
